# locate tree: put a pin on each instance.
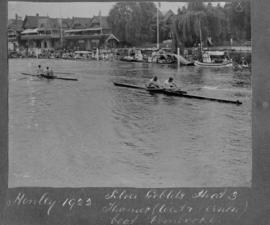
(132, 22)
(199, 21)
(119, 17)
(191, 26)
(216, 22)
(135, 22)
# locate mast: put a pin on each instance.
(201, 48)
(61, 33)
(200, 36)
(61, 28)
(158, 25)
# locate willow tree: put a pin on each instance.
(132, 21)
(199, 23)
(217, 23)
(240, 20)
(191, 27)
(119, 17)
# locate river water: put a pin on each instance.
(92, 133)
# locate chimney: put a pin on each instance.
(16, 16)
(37, 14)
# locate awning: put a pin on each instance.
(215, 53)
(30, 31)
(169, 41)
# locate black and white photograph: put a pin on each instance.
(130, 94)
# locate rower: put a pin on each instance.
(40, 70)
(153, 83)
(244, 63)
(49, 72)
(170, 84)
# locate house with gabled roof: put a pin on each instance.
(101, 21)
(41, 32)
(78, 33)
(31, 22)
(80, 22)
(97, 34)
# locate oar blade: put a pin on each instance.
(64, 78)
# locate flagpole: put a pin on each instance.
(61, 33)
(158, 26)
(200, 36)
(61, 29)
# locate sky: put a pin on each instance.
(76, 9)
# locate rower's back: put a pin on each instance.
(40, 71)
(51, 73)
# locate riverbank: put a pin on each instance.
(148, 55)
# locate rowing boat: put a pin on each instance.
(152, 90)
(50, 77)
(177, 93)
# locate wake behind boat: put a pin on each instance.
(50, 77)
(177, 93)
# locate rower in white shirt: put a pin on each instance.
(153, 83)
(170, 84)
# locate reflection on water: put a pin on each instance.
(91, 133)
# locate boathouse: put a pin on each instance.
(41, 32)
(89, 39)
(96, 34)
(76, 33)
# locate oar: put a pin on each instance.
(63, 72)
(28, 74)
(129, 86)
(64, 78)
(237, 102)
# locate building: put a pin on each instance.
(41, 32)
(76, 33)
(101, 21)
(95, 34)
(15, 26)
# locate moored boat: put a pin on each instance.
(213, 64)
(214, 59)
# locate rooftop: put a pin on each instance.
(15, 24)
(101, 20)
(31, 22)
